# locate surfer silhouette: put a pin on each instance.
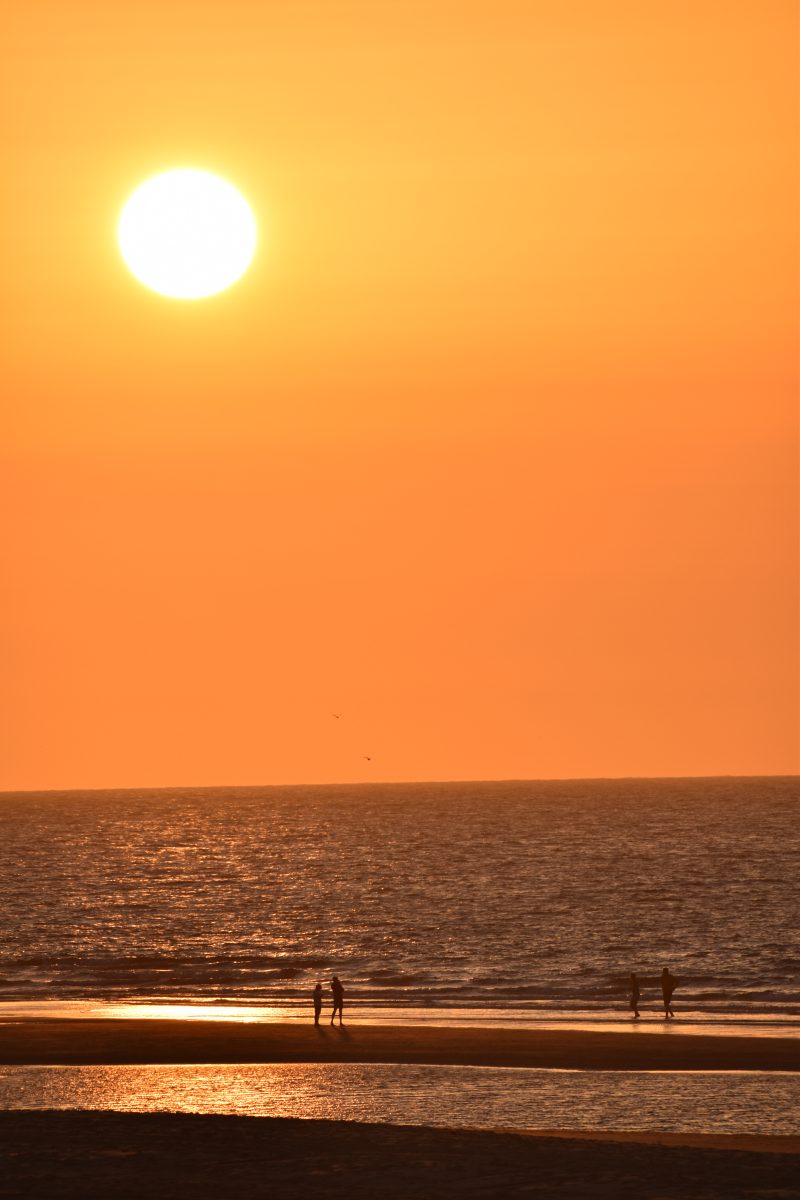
(635, 993)
(338, 998)
(668, 985)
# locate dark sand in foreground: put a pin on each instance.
(126, 1155)
(175, 1041)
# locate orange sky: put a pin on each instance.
(494, 449)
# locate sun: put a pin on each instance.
(187, 234)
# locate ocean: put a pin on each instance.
(537, 898)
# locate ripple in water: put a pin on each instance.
(467, 894)
(518, 1098)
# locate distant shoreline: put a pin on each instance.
(77, 1041)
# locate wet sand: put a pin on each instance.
(185, 1157)
(105, 1041)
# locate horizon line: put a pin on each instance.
(187, 787)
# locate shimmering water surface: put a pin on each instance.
(527, 896)
(682, 1102)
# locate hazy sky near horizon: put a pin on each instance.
(493, 451)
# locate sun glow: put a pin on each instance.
(187, 234)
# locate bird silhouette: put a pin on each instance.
(367, 757)
(337, 715)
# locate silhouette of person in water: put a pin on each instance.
(317, 1003)
(668, 985)
(338, 998)
(635, 993)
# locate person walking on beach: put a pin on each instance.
(317, 1003)
(635, 993)
(338, 998)
(668, 985)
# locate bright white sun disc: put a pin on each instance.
(187, 234)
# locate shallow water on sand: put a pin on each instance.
(539, 1017)
(518, 1098)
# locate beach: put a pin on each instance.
(54, 1140)
(174, 1053)
(105, 1041)
(88, 1154)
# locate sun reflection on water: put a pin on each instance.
(681, 1102)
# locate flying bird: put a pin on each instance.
(367, 757)
(337, 715)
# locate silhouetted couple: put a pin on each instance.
(338, 1000)
(668, 985)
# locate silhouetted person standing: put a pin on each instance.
(668, 985)
(635, 993)
(317, 1003)
(338, 998)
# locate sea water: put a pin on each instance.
(731, 1102)
(534, 898)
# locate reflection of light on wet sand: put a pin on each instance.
(680, 1102)
(191, 1012)
(175, 1011)
(487, 1018)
